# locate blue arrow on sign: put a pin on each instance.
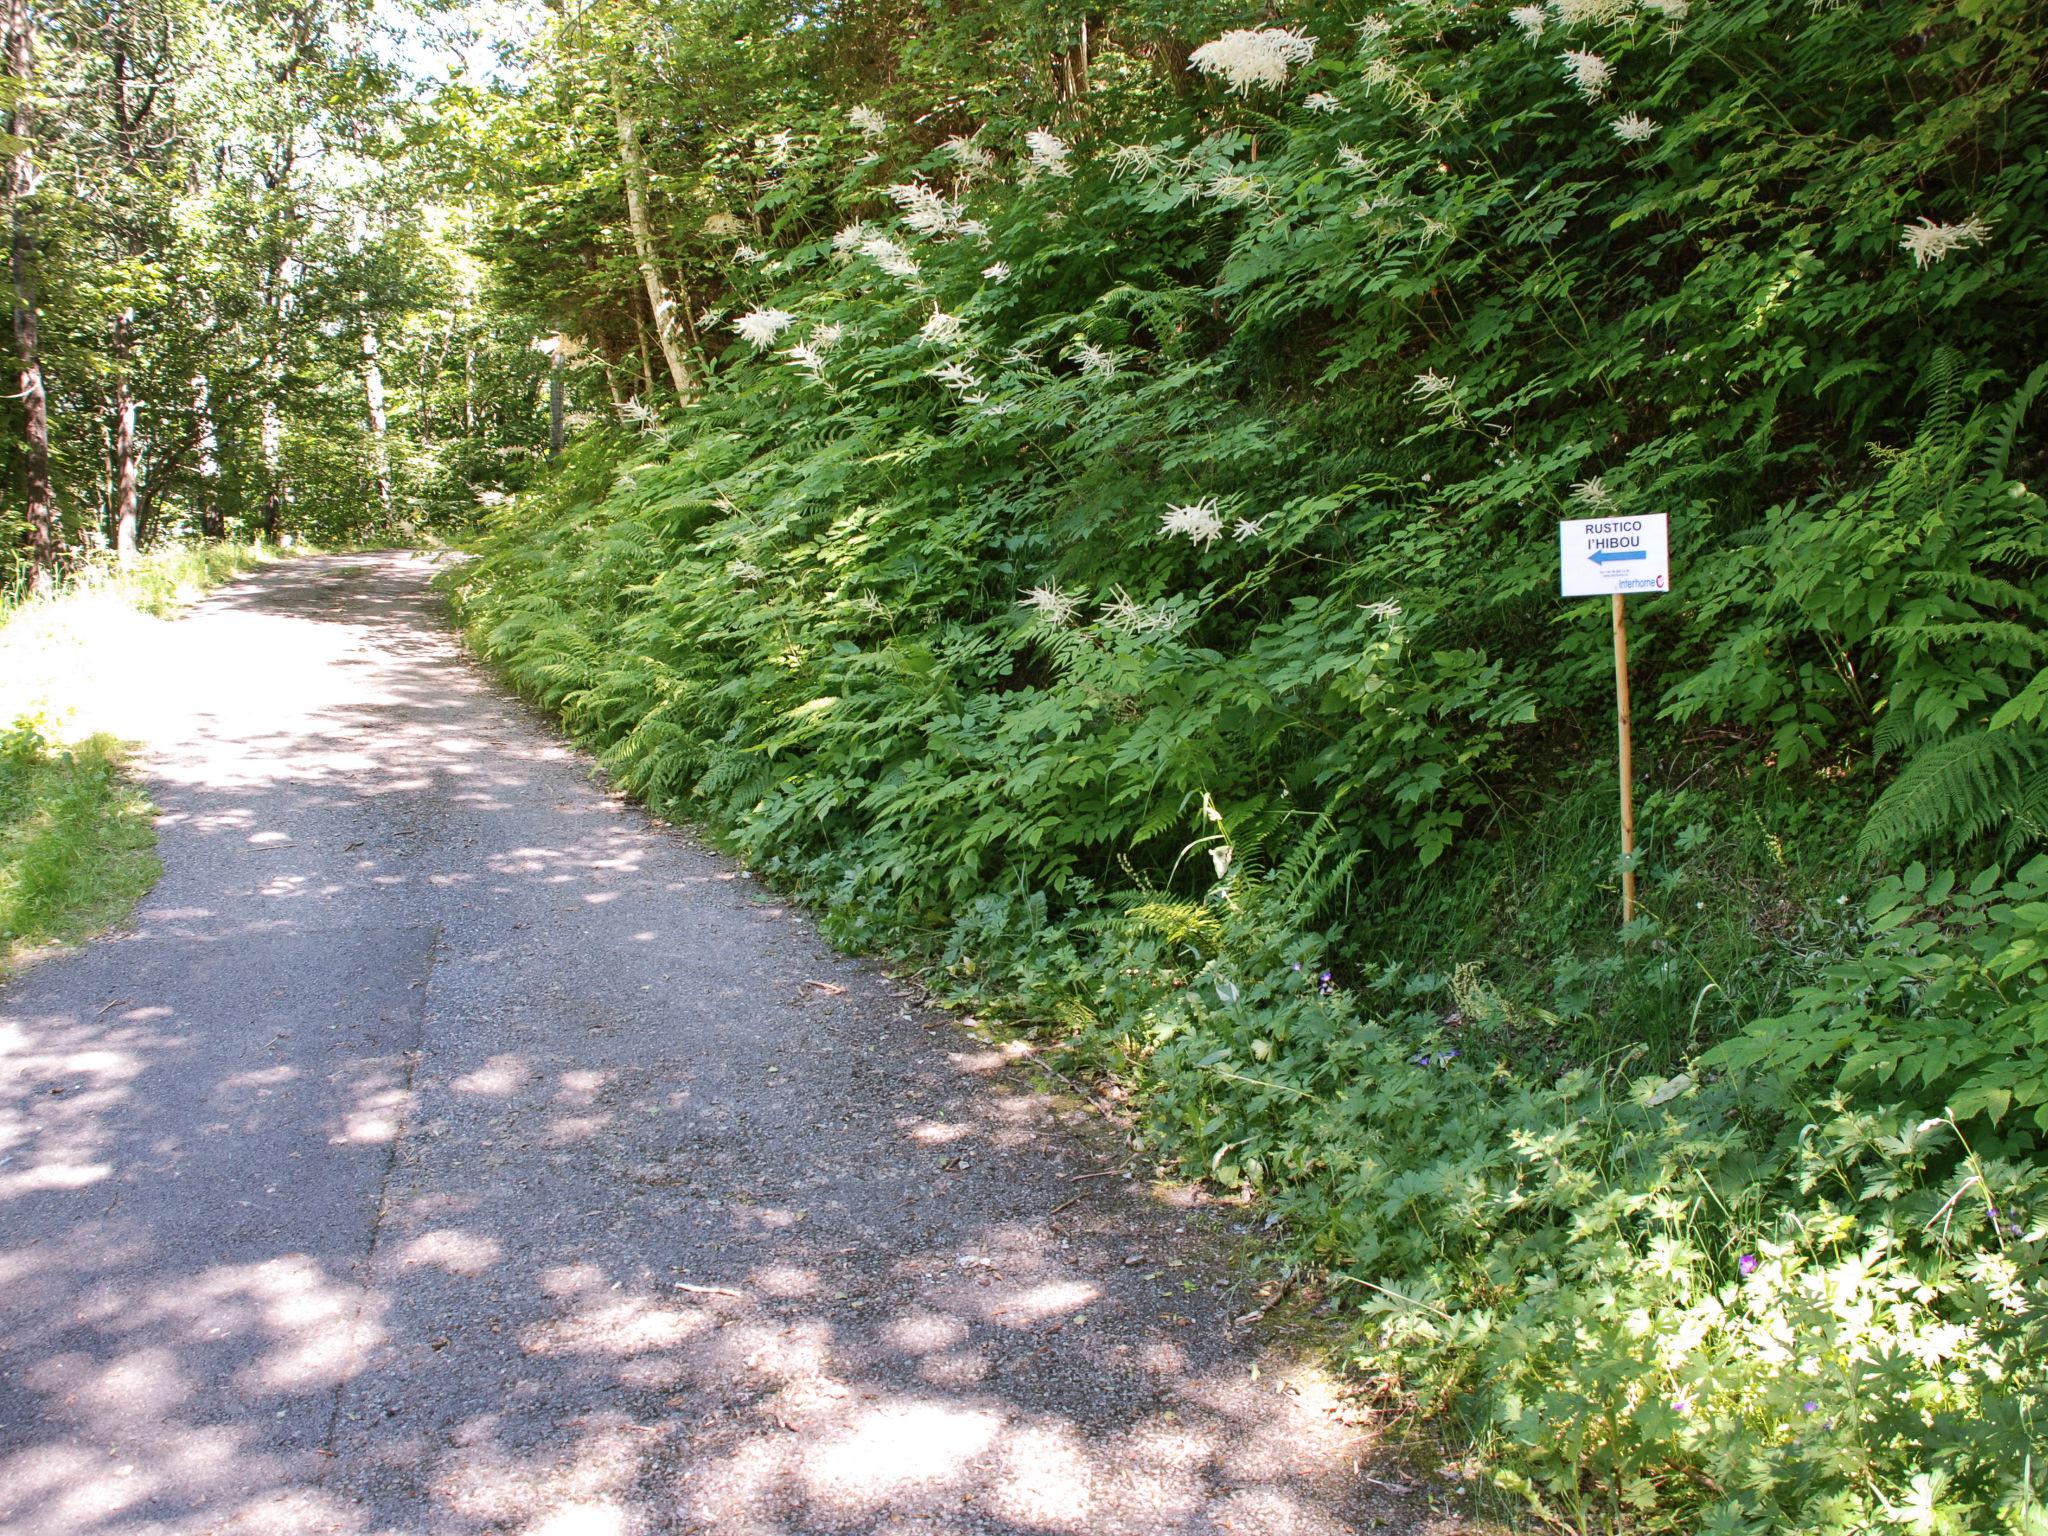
(1605, 555)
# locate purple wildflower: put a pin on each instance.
(1323, 984)
(1747, 1264)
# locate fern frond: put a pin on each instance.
(1178, 922)
(2006, 430)
(1957, 790)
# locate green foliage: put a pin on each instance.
(1666, 1303)
(1947, 999)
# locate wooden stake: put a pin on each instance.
(1628, 795)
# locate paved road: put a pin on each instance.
(448, 1148)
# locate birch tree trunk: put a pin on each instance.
(658, 298)
(127, 482)
(373, 401)
(35, 406)
(210, 522)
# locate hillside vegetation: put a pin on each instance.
(1107, 549)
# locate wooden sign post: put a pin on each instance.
(1614, 556)
(1628, 786)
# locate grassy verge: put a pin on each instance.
(76, 837)
(76, 842)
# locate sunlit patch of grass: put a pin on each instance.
(77, 843)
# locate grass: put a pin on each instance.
(77, 839)
(77, 843)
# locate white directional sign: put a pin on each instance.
(1604, 555)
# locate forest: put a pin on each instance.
(1070, 491)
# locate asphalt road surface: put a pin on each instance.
(447, 1147)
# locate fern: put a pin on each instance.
(1960, 789)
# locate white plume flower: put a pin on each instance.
(1633, 128)
(721, 226)
(997, 271)
(1051, 605)
(1231, 188)
(1136, 159)
(1592, 494)
(1248, 528)
(925, 210)
(825, 337)
(1591, 13)
(1048, 152)
(867, 122)
(1588, 72)
(1126, 613)
(1247, 58)
(759, 327)
(849, 238)
(1530, 18)
(1436, 392)
(807, 356)
(1321, 101)
(1200, 522)
(752, 255)
(744, 570)
(968, 154)
(1095, 362)
(958, 376)
(1372, 32)
(1351, 160)
(941, 329)
(889, 256)
(971, 229)
(1670, 10)
(1930, 242)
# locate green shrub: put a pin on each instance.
(1947, 1000)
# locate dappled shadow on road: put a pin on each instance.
(449, 1149)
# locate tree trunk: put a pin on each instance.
(210, 523)
(555, 401)
(643, 242)
(646, 357)
(43, 538)
(272, 443)
(127, 486)
(233, 479)
(373, 401)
